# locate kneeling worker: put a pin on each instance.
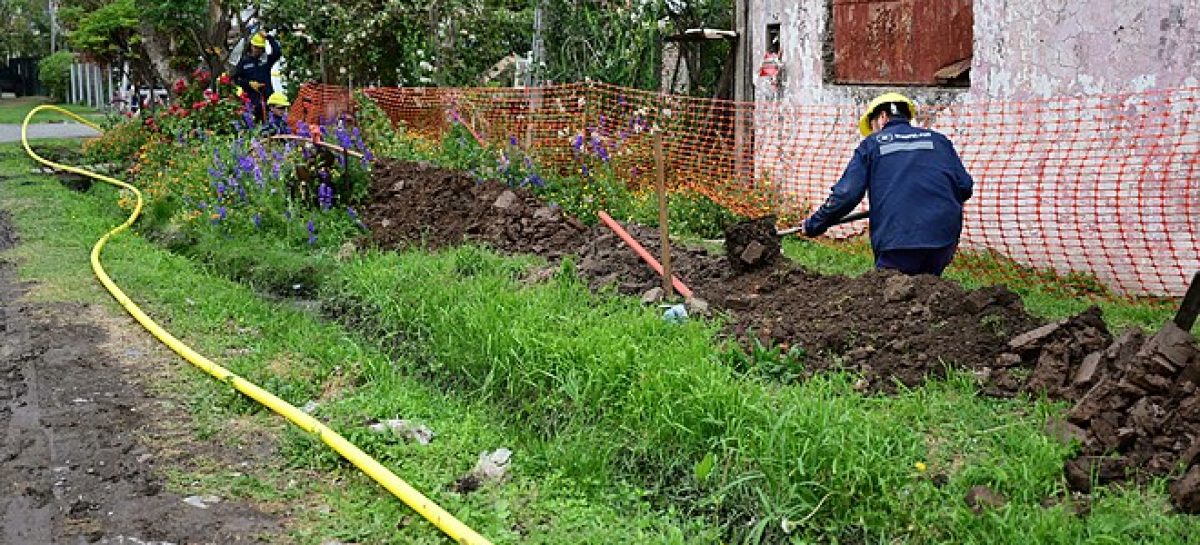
(916, 186)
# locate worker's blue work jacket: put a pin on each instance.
(258, 69)
(916, 186)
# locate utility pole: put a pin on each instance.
(537, 55)
(53, 26)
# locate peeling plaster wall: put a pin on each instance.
(1046, 48)
(1023, 49)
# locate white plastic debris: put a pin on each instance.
(492, 466)
(202, 501)
(404, 429)
(675, 313)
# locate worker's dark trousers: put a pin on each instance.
(918, 261)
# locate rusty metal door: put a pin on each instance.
(899, 41)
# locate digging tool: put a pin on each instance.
(849, 218)
(1190, 307)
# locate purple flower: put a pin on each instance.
(312, 232)
(584, 170)
(302, 130)
(342, 137)
(287, 215)
(325, 196)
(598, 148)
(257, 219)
(512, 140)
(534, 180)
(220, 189)
(248, 118)
(577, 143)
(221, 213)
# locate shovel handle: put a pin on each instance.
(846, 219)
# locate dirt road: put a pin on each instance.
(74, 467)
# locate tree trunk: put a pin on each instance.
(158, 53)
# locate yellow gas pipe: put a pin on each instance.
(382, 475)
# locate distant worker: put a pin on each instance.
(277, 105)
(916, 185)
(253, 73)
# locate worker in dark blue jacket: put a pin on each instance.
(253, 73)
(916, 185)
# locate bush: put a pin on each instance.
(55, 73)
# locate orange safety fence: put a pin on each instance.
(1104, 186)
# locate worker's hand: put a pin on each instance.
(257, 86)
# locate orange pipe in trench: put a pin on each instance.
(642, 253)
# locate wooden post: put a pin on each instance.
(664, 234)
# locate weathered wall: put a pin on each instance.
(1045, 48)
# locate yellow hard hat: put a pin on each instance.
(864, 122)
(258, 40)
(277, 99)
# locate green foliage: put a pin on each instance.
(107, 32)
(24, 28)
(451, 42)
(55, 73)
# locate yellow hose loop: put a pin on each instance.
(382, 475)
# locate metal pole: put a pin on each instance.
(53, 26)
(537, 53)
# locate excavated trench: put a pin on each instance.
(1136, 407)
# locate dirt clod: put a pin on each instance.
(752, 244)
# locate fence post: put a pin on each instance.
(71, 94)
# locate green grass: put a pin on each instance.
(301, 359)
(644, 401)
(627, 429)
(13, 110)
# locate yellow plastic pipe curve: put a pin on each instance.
(432, 512)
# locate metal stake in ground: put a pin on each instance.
(1190, 307)
(664, 233)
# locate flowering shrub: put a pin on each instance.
(201, 106)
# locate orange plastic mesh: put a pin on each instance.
(1100, 185)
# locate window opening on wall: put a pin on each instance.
(773, 38)
(900, 42)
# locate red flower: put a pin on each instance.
(200, 75)
(224, 79)
(183, 112)
(199, 104)
(180, 85)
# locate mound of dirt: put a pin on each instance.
(418, 204)
(894, 329)
(1137, 410)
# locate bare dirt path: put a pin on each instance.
(74, 467)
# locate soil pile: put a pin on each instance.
(1137, 410)
(418, 204)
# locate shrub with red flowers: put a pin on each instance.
(200, 106)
